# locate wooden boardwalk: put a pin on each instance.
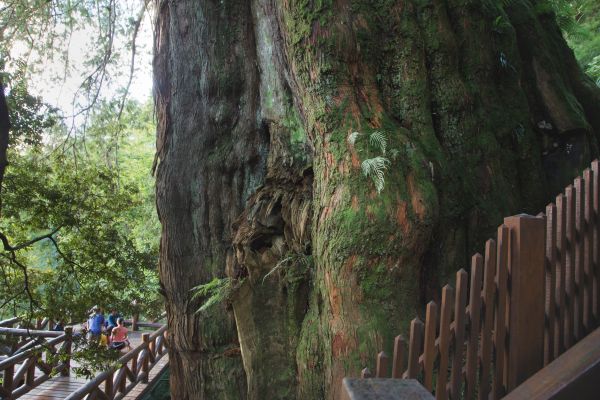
(137, 365)
(61, 386)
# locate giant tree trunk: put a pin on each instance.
(484, 111)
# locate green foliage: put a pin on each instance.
(593, 69)
(374, 168)
(78, 222)
(580, 23)
(29, 115)
(565, 12)
(291, 259)
(90, 357)
(105, 248)
(38, 34)
(378, 140)
(586, 43)
(214, 292)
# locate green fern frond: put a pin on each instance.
(374, 168)
(507, 3)
(352, 137)
(215, 291)
(278, 266)
(379, 140)
(593, 69)
(292, 259)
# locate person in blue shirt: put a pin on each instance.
(112, 320)
(60, 326)
(96, 324)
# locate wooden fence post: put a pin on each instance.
(7, 383)
(30, 376)
(526, 296)
(134, 321)
(146, 360)
(68, 348)
(109, 389)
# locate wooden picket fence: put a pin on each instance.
(529, 298)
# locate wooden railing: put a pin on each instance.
(9, 323)
(20, 322)
(20, 372)
(27, 327)
(533, 295)
(132, 368)
(573, 375)
(31, 364)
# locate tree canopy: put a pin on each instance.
(77, 221)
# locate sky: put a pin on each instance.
(58, 85)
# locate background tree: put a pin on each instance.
(94, 227)
(337, 161)
(78, 197)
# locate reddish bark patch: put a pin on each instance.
(325, 214)
(340, 345)
(416, 198)
(233, 352)
(355, 160)
(336, 197)
(355, 205)
(329, 159)
(369, 213)
(402, 217)
(335, 298)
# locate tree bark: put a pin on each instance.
(485, 114)
(212, 155)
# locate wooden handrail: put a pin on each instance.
(19, 370)
(29, 332)
(17, 383)
(9, 322)
(156, 325)
(574, 374)
(28, 353)
(161, 316)
(158, 333)
(532, 296)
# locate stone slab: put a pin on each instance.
(383, 389)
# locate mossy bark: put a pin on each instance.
(485, 113)
(211, 154)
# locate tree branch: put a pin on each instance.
(8, 247)
(4, 128)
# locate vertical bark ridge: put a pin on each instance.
(211, 158)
